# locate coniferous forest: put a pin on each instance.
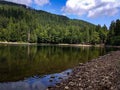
(19, 23)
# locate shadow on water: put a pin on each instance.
(24, 67)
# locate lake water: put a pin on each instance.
(35, 67)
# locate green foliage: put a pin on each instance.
(21, 23)
(114, 33)
(115, 40)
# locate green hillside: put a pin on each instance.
(19, 23)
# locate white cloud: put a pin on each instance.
(93, 8)
(28, 2)
(41, 2)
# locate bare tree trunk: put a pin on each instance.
(29, 36)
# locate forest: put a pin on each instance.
(19, 23)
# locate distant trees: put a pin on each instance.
(114, 33)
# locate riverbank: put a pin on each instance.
(99, 74)
(62, 44)
(18, 43)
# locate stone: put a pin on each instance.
(52, 76)
(50, 80)
(71, 83)
(60, 78)
(66, 87)
(80, 64)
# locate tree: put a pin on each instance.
(117, 28)
(114, 33)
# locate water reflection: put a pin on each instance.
(18, 62)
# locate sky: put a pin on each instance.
(94, 11)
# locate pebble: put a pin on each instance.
(52, 76)
(71, 83)
(66, 87)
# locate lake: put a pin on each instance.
(36, 67)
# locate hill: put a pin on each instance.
(21, 23)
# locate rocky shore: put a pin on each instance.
(98, 74)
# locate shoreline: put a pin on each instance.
(102, 73)
(61, 44)
(18, 43)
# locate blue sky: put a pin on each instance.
(94, 11)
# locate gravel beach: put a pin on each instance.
(102, 73)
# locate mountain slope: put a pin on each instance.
(21, 23)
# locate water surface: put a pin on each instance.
(32, 67)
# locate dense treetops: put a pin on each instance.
(19, 23)
(114, 33)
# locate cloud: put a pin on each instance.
(28, 2)
(92, 8)
(41, 2)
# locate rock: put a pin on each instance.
(77, 75)
(79, 84)
(68, 73)
(81, 88)
(52, 76)
(111, 88)
(71, 83)
(80, 64)
(79, 79)
(66, 87)
(60, 78)
(50, 80)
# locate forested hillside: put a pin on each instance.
(19, 23)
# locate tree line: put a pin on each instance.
(19, 23)
(114, 33)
